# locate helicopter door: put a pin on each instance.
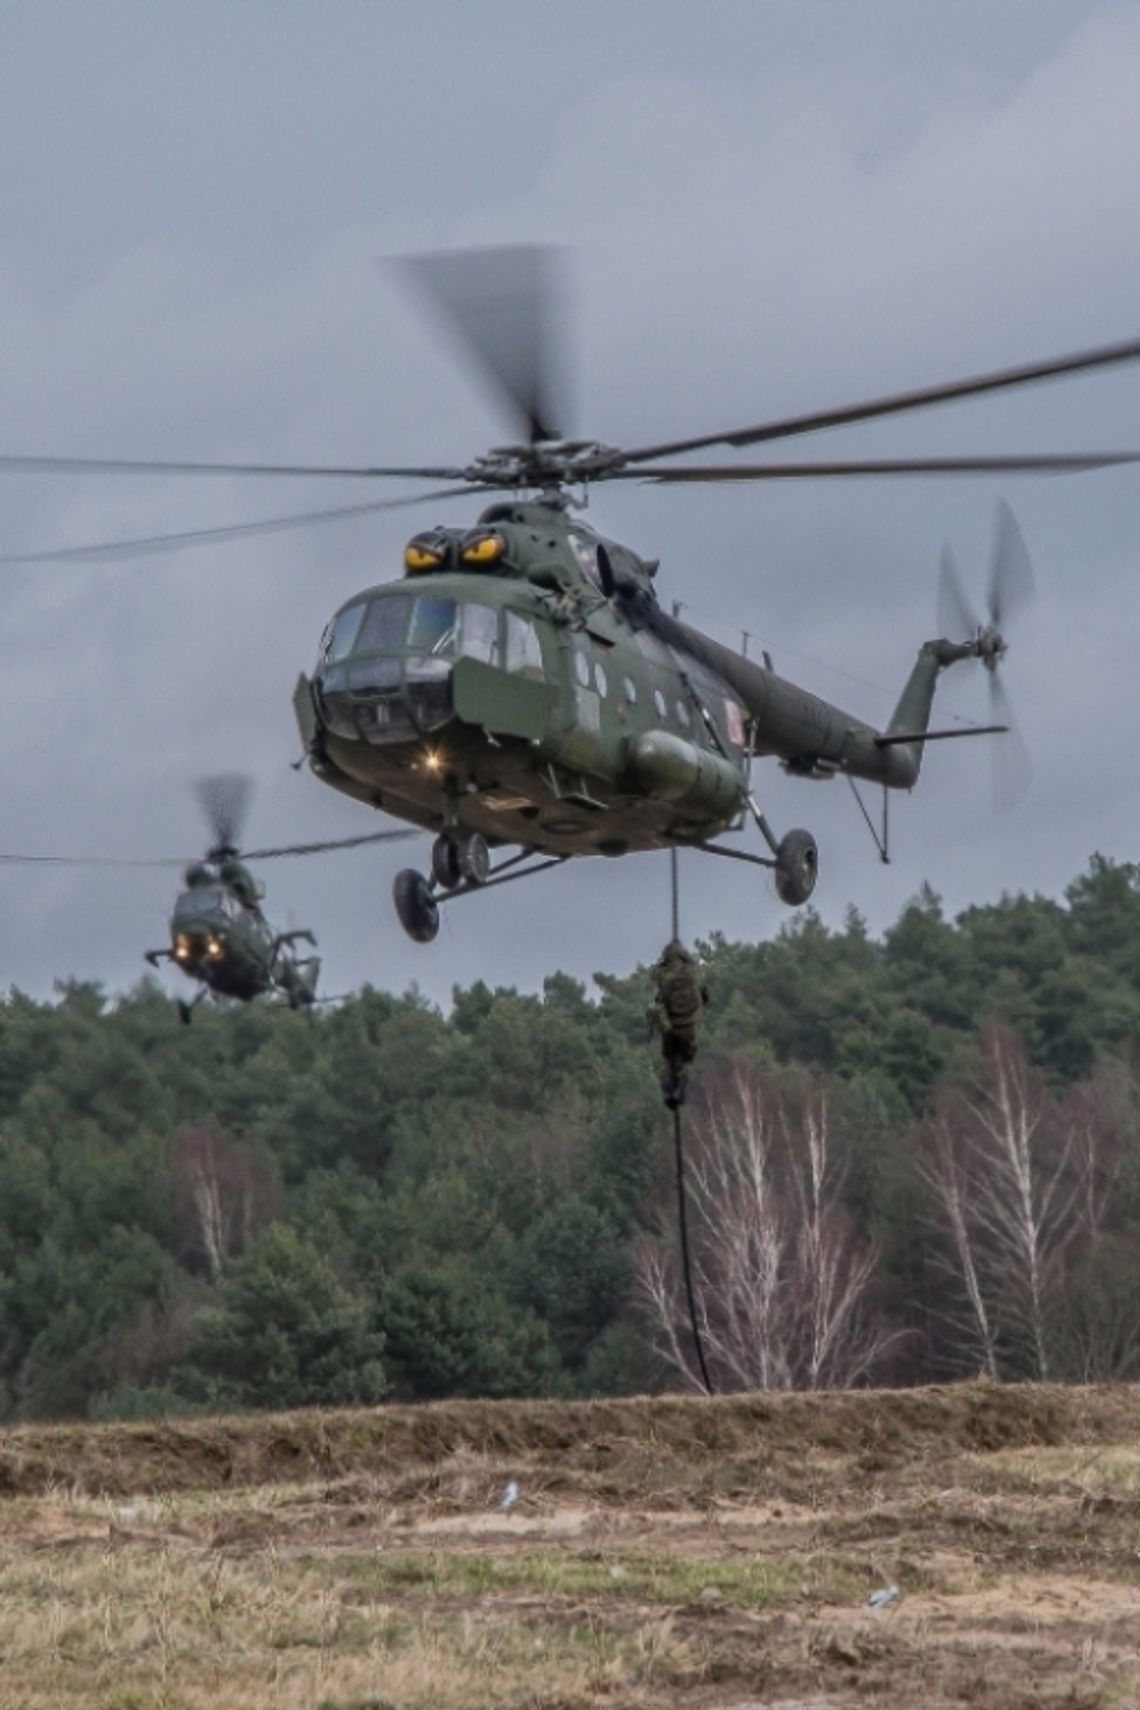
(587, 707)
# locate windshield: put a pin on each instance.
(427, 624)
(202, 902)
(384, 626)
(344, 633)
(434, 626)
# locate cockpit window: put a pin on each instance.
(524, 654)
(344, 632)
(435, 626)
(204, 902)
(385, 624)
(481, 633)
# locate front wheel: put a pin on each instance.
(416, 907)
(797, 867)
(445, 865)
(474, 859)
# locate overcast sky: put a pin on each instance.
(769, 207)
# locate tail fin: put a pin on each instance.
(911, 716)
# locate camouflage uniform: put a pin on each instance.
(681, 996)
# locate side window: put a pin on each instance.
(629, 691)
(600, 679)
(586, 552)
(582, 667)
(481, 634)
(524, 655)
(659, 703)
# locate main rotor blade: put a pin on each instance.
(143, 546)
(23, 860)
(93, 860)
(1011, 584)
(224, 799)
(145, 466)
(501, 306)
(957, 620)
(1033, 463)
(1106, 356)
(322, 848)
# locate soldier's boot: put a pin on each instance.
(673, 1079)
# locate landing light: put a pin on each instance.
(418, 557)
(433, 760)
(427, 551)
(482, 546)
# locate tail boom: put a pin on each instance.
(814, 738)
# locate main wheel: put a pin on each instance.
(416, 907)
(474, 859)
(446, 868)
(797, 867)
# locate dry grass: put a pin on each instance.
(120, 1625)
(636, 1571)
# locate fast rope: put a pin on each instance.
(679, 1151)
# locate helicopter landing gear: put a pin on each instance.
(301, 992)
(459, 860)
(455, 862)
(796, 867)
(186, 1010)
(416, 907)
(445, 863)
(474, 859)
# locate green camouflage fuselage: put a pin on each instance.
(541, 697)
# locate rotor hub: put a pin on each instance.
(547, 464)
(992, 647)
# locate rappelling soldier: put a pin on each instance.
(681, 997)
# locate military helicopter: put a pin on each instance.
(218, 933)
(521, 686)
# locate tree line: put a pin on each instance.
(911, 1157)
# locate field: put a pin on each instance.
(673, 1552)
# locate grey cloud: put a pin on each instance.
(770, 207)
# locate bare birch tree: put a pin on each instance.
(782, 1279)
(223, 1194)
(1017, 1177)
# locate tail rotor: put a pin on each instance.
(1011, 589)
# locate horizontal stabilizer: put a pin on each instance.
(898, 737)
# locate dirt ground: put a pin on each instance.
(713, 1554)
